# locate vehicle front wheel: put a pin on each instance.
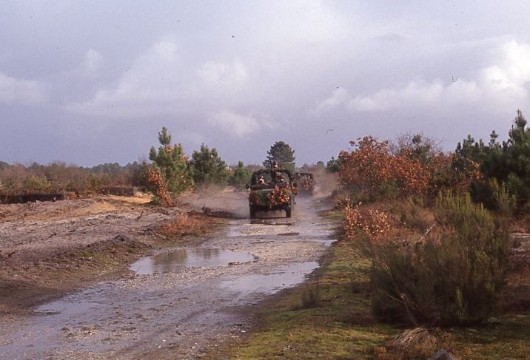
(252, 212)
(288, 212)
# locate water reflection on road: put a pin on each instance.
(281, 278)
(176, 259)
(180, 300)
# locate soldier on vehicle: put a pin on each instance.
(275, 171)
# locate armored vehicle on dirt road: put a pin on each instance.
(270, 190)
(306, 183)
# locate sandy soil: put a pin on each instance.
(67, 291)
(47, 248)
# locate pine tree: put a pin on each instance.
(172, 164)
(507, 163)
(240, 177)
(517, 157)
(283, 154)
(208, 168)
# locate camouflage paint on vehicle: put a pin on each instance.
(271, 190)
(306, 183)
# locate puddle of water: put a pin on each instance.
(185, 257)
(326, 242)
(65, 308)
(284, 277)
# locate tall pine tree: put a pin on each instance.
(172, 164)
(283, 154)
(208, 168)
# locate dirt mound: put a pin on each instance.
(31, 278)
(49, 248)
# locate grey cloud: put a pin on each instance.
(21, 91)
(238, 75)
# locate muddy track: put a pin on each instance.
(180, 302)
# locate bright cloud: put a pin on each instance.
(89, 67)
(18, 91)
(222, 79)
(510, 77)
(159, 83)
(214, 73)
(151, 86)
(339, 97)
(234, 124)
(413, 92)
(501, 84)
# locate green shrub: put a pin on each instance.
(35, 183)
(310, 296)
(402, 286)
(452, 277)
(414, 215)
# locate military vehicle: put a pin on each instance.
(270, 190)
(306, 183)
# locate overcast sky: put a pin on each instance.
(92, 82)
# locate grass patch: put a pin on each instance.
(310, 297)
(507, 338)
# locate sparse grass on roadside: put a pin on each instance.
(340, 327)
(310, 296)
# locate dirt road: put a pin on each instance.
(175, 304)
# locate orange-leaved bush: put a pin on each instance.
(372, 171)
(372, 222)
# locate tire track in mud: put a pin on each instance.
(181, 311)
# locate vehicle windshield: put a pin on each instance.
(268, 177)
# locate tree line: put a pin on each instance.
(375, 168)
(414, 164)
(168, 173)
